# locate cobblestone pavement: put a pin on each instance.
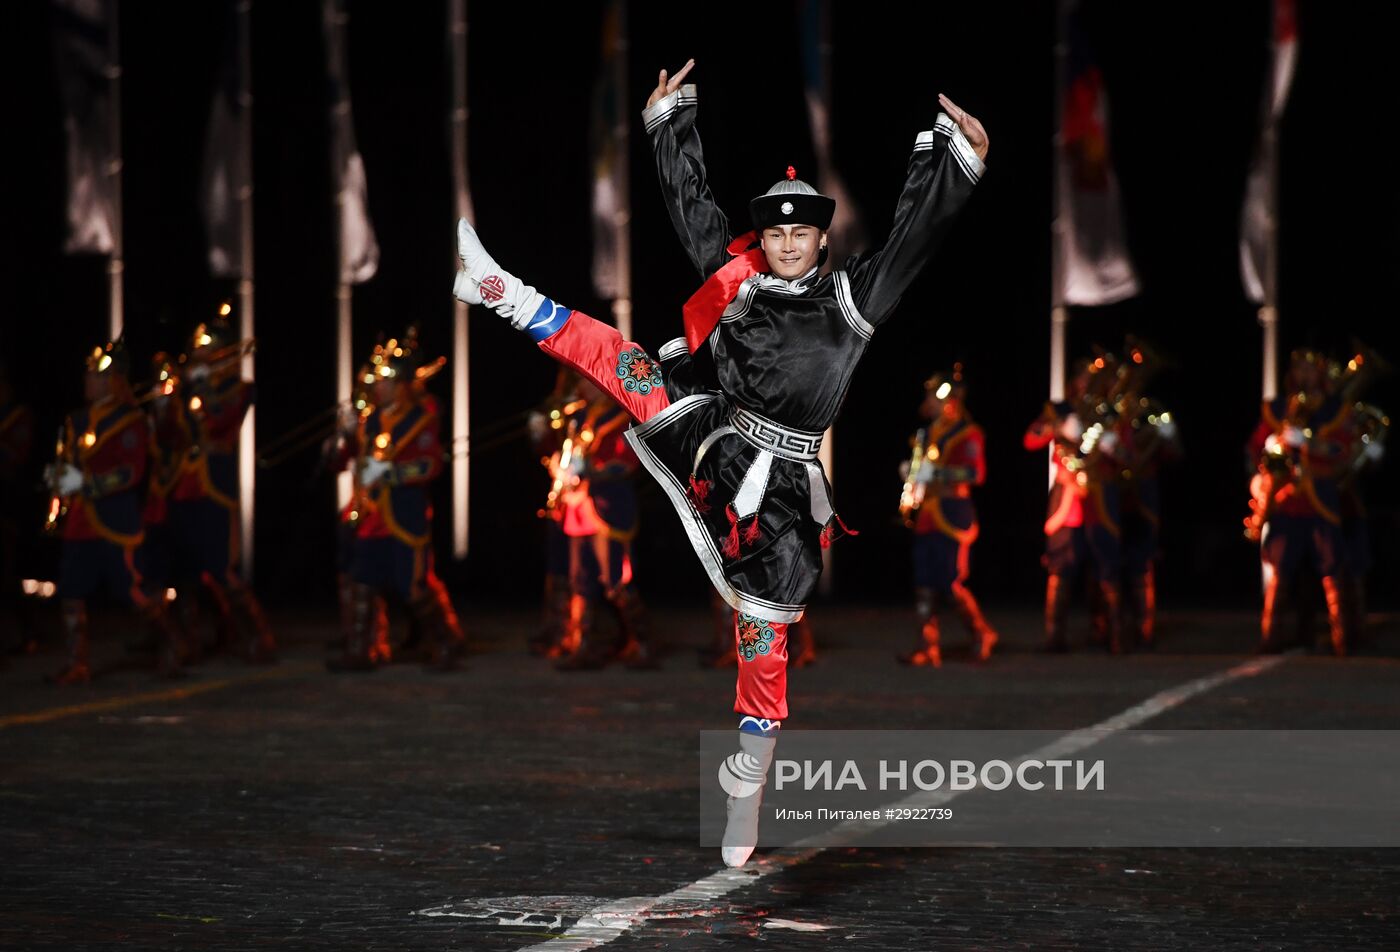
(251, 808)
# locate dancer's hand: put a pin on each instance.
(665, 86)
(971, 128)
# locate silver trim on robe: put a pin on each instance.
(665, 107)
(672, 348)
(700, 540)
(775, 438)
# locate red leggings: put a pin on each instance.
(623, 370)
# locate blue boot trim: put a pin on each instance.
(762, 726)
(548, 320)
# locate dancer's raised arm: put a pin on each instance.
(680, 166)
(946, 163)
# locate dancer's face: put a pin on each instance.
(792, 250)
(389, 392)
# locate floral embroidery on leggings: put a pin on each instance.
(638, 372)
(755, 637)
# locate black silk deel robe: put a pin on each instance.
(736, 450)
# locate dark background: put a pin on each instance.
(1184, 92)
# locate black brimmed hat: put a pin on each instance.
(792, 202)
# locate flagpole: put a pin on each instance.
(115, 262)
(825, 455)
(335, 18)
(461, 347)
(246, 330)
(1268, 313)
(622, 217)
(1059, 314)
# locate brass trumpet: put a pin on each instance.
(563, 478)
(911, 495)
(311, 431)
(168, 379)
(58, 504)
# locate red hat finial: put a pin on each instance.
(792, 174)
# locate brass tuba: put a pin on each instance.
(1362, 369)
(1145, 417)
(1278, 466)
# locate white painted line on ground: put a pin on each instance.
(611, 920)
(795, 926)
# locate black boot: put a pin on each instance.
(170, 656)
(184, 615)
(225, 626)
(434, 613)
(1111, 599)
(357, 655)
(345, 601)
(1145, 609)
(1270, 640)
(1337, 631)
(929, 653)
(555, 620)
(1056, 614)
(380, 648)
(259, 647)
(637, 652)
(984, 637)
(588, 653)
(75, 629)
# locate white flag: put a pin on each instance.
(81, 55)
(609, 202)
(1258, 212)
(225, 172)
(359, 251)
(1095, 267)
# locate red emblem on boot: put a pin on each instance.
(493, 289)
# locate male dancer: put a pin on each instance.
(732, 428)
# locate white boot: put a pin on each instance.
(741, 828)
(482, 281)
